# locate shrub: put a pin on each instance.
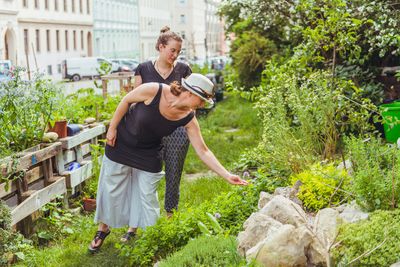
(376, 173)
(206, 251)
(380, 233)
(322, 186)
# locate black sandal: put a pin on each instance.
(100, 235)
(127, 236)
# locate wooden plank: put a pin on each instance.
(77, 176)
(31, 176)
(29, 159)
(38, 199)
(85, 135)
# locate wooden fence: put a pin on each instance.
(42, 174)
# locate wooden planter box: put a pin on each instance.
(77, 148)
(37, 184)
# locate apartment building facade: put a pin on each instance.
(39, 34)
(116, 28)
(200, 26)
(154, 14)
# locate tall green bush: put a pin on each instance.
(376, 178)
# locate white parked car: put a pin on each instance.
(83, 67)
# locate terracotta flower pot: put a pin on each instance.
(89, 204)
(60, 127)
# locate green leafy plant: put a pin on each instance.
(26, 107)
(322, 186)
(376, 178)
(207, 251)
(86, 103)
(373, 242)
(55, 223)
(11, 243)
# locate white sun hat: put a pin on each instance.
(199, 85)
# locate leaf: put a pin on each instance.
(203, 228)
(214, 223)
(20, 255)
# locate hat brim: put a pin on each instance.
(187, 86)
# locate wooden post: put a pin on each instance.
(104, 85)
(121, 86)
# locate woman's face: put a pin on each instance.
(170, 52)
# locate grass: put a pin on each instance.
(227, 130)
(232, 113)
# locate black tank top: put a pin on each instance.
(139, 135)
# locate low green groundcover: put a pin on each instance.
(206, 251)
(379, 235)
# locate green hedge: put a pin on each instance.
(380, 232)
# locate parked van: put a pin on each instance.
(82, 67)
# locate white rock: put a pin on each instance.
(264, 199)
(284, 211)
(257, 228)
(352, 213)
(397, 264)
(283, 248)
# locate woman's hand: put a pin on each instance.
(235, 179)
(111, 136)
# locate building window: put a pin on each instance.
(183, 35)
(48, 40)
(37, 41)
(80, 6)
(49, 70)
(66, 40)
(58, 40)
(82, 41)
(56, 5)
(59, 68)
(25, 3)
(65, 6)
(26, 41)
(88, 6)
(46, 4)
(36, 3)
(182, 2)
(183, 19)
(73, 6)
(74, 39)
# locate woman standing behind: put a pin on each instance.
(165, 69)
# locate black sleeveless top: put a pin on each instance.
(139, 135)
(148, 73)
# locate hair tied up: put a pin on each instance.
(164, 29)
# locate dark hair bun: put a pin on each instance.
(165, 29)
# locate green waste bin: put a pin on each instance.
(391, 120)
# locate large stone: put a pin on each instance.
(285, 211)
(326, 226)
(264, 199)
(284, 248)
(257, 228)
(397, 264)
(352, 213)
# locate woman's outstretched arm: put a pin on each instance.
(206, 155)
